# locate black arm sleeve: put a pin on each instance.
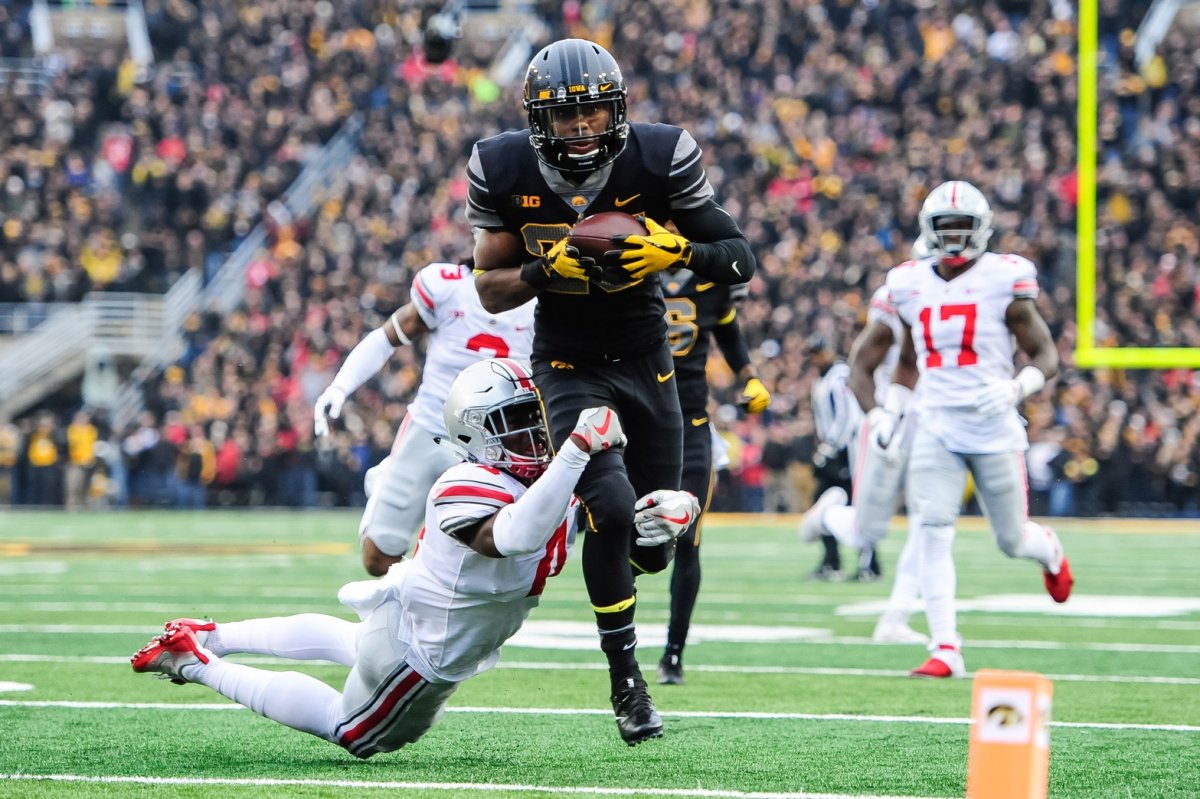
(719, 250)
(733, 344)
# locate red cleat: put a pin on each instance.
(168, 654)
(1058, 586)
(201, 627)
(946, 661)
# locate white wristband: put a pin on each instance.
(896, 399)
(399, 331)
(364, 361)
(1030, 380)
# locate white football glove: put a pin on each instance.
(663, 516)
(598, 429)
(1000, 395)
(881, 431)
(329, 406)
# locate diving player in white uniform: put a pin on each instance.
(442, 304)
(499, 525)
(962, 309)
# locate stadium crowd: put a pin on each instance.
(823, 135)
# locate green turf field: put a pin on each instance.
(786, 696)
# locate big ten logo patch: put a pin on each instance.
(527, 201)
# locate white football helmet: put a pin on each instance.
(966, 209)
(494, 416)
(921, 248)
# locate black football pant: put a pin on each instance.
(698, 478)
(641, 389)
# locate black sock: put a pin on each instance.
(620, 646)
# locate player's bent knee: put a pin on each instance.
(609, 504)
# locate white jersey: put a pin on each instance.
(462, 332)
(461, 605)
(881, 309)
(962, 343)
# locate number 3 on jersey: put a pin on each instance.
(954, 326)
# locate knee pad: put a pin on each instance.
(608, 503)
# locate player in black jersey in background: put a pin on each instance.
(696, 308)
(599, 334)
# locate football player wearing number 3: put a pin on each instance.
(962, 310)
(501, 524)
(443, 306)
(600, 336)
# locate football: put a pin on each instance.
(593, 235)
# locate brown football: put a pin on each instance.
(593, 235)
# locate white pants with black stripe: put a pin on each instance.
(384, 704)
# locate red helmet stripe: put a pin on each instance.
(954, 194)
(523, 379)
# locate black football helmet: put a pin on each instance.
(567, 76)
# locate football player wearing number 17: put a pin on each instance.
(962, 309)
(500, 524)
(600, 336)
(443, 306)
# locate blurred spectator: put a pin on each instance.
(43, 455)
(81, 457)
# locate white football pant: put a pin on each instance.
(384, 705)
(396, 505)
(938, 479)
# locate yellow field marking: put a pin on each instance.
(13, 549)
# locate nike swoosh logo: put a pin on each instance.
(664, 378)
(607, 421)
(735, 269)
(626, 201)
(675, 249)
(705, 286)
(700, 421)
(684, 519)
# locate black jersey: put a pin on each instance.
(659, 171)
(695, 307)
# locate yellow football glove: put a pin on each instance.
(565, 261)
(755, 397)
(658, 250)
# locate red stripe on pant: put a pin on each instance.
(348, 738)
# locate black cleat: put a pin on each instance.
(670, 669)
(636, 717)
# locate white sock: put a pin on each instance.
(842, 523)
(293, 699)
(939, 582)
(907, 585)
(307, 636)
(1040, 543)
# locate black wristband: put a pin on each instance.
(534, 273)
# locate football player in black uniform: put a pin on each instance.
(697, 308)
(600, 333)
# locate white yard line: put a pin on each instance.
(560, 711)
(263, 660)
(703, 793)
(840, 640)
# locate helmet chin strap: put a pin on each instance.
(953, 260)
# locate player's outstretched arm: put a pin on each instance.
(866, 354)
(498, 275)
(365, 361)
(527, 525)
